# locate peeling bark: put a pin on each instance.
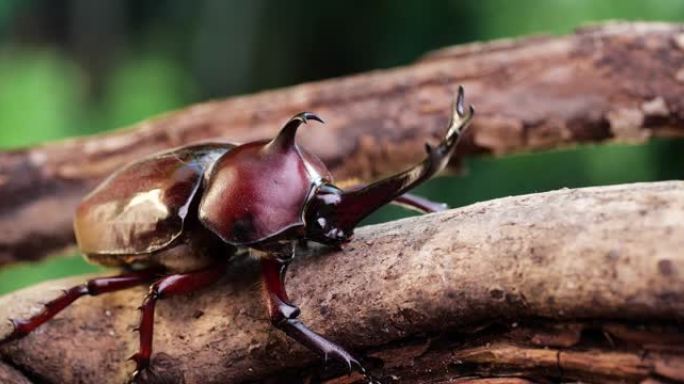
(583, 284)
(526, 352)
(614, 81)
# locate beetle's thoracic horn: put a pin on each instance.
(286, 137)
(355, 205)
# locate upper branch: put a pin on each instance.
(609, 82)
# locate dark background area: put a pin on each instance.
(79, 67)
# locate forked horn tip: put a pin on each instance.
(304, 117)
(460, 100)
(286, 136)
(313, 116)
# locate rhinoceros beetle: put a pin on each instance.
(172, 218)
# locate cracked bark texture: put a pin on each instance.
(584, 284)
(609, 82)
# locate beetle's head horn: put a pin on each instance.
(285, 139)
(331, 214)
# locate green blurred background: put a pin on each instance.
(79, 67)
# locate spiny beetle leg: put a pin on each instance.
(283, 315)
(176, 284)
(93, 287)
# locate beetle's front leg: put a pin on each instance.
(283, 315)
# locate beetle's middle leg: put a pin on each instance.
(413, 202)
(283, 315)
(93, 287)
(419, 203)
(176, 284)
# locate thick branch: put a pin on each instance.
(620, 81)
(503, 274)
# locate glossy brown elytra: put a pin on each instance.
(173, 220)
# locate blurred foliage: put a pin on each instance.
(19, 276)
(39, 97)
(73, 67)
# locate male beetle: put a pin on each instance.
(171, 218)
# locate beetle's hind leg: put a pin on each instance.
(283, 315)
(170, 285)
(93, 287)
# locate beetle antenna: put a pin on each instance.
(286, 137)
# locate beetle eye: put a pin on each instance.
(322, 225)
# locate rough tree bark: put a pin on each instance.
(621, 81)
(569, 285)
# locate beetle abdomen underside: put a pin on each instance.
(143, 207)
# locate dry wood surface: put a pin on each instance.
(584, 284)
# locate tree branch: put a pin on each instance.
(615, 81)
(10, 375)
(564, 285)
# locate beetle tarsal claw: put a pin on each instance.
(135, 376)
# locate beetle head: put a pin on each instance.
(263, 193)
(331, 213)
